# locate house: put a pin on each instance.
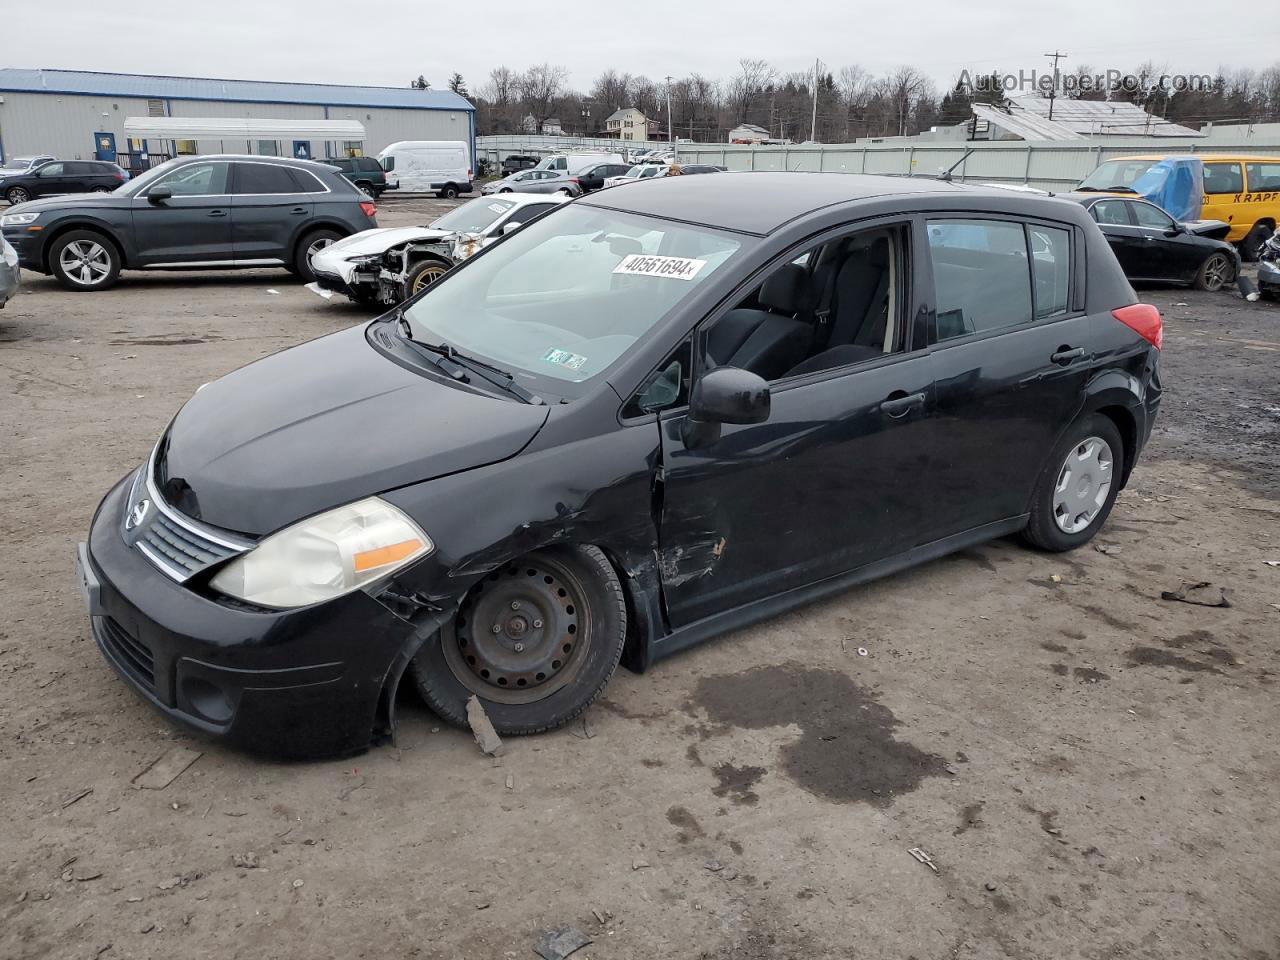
(1027, 118)
(551, 127)
(752, 134)
(630, 124)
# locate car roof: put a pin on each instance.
(760, 203)
(317, 165)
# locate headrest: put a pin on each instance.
(788, 290)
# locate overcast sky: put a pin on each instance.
(339, 41)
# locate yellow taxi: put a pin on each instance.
(1243, 191)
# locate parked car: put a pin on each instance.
(573, 162)
(20, 165)
(59, 177)
(365, 172)
(442, 167)
(192, 212)
(593, 177)
(534, 181)
(10, 273)
(647, 418)
(517, 162)
(1241, 190)
(638, 172)
(387, 265)
(1151, 246)
(1269, 268)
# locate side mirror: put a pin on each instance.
(724, 395)
(159, 194)
(1176, 229)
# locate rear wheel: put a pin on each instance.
(17, 195)
(312, 243)
(366, 188)
(422, 275)
(1078, 487)
(449, 192)
(84, 261)
(536, 641)
(100, 190)
(1215, 273)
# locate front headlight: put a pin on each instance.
(17, 219)
(325, 556)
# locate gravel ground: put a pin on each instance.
(1091, 769)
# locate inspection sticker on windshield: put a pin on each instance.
(676, 268)
(564, 358)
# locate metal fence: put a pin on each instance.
(1047, 165)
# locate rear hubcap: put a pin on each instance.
(521, 634)
(1083, 484)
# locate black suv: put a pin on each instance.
(194, 212)
(517, 162)
(365, 172)
(63, 176)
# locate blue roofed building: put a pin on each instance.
(133, 119)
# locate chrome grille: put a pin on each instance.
(182, 546)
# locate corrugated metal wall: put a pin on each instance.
(1049, 166)
(64, 125)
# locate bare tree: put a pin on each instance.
(497, 101)
(540, 86)
(904, 89)
(612, 91)
(754, 79)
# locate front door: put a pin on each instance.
(191, 226)
(1011, 354)
(833, 480)
(104, 145)
(267, 210)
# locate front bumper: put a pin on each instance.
(302, 683)
(10, 280)
(29, 247)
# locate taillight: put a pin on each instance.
(574, 180)
(119, 176)
(1144, 320)
(368, 208)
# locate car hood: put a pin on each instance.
(323, 424)
(334, 259)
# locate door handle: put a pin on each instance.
(298, 210)
(217, 213)
(1066, 354)
(901, 404)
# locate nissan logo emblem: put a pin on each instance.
(137, 514)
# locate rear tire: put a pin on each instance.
(84, 261)
(367, 189)
(1070, 503)
(564, 606)
(450, 192)
(1216, 272)
(309, 244)
(1251, 245)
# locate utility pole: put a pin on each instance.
(671, 135)
(1053, 91)
(813, 128)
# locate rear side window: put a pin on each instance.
(369, 165)
(344, 165)
(1051, 268)
(263, 178)
(1223, 178)
(980, 274)
(1263, 177)
(305, 181)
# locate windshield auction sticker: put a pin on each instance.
(674, 268)
(565, 359)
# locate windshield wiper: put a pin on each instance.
(1118, 188)
(447, 353)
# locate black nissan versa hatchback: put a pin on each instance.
(647, 417)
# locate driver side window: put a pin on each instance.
(195, 180)
(835, 304)
(50, 170)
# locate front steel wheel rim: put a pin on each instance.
(18, 195)
(521, 634)
(1216, 272)
(85, 262)
(1083, 485)
(427, 277)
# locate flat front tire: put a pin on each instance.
(1078, 486)
(85, 261)
(536, 641)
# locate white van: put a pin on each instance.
(573, 162)
(442, 167)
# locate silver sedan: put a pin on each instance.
(9, 273)
(535, 181)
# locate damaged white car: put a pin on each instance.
(391, 264)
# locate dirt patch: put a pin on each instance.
(970, 818)
(846, 751)
(737, 783)
(690, 829)
(1158, 657)
(1089, 675)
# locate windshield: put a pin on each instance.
(17, 163)
(1117, 175)
(142, 181)
(475, 216)
(569, 294)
